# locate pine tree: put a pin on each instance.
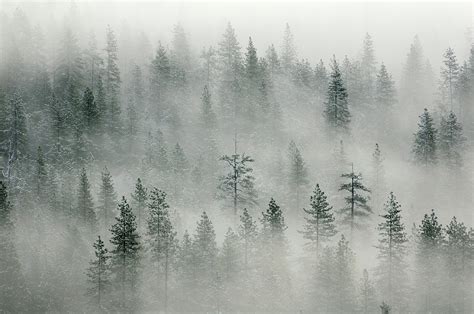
(273, 61)
(321, 79)
(367, 294)
(337, 112)
(357, 206)
(385, 93)
(140, 197)
(368, 68)
(16, 140)
(112, 82)
(41, 175)
(107, 198)
(378, 173)
(14, 296)
(428, 257)
(319, 227)
(298, 174)
(248, 233)
(238, 184)
(412, 83)
(251, 64)
(392, 253)
(449, 78)
(288, 51)
(125, 260)
(424, 147)
(205, 254)
(85, 205)
(229, 55)
(209, 66)
(451, 140)
(229, 256)
(90, 111)
(208, 117)
(162, 237)
(458, 257)
(98, 273)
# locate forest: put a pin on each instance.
(142, 174)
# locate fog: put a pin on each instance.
(229, 156)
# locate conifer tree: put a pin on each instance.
(238, 184)
(385, 94)
(98, 273)
(273, 61)
(16, 140)
(41, 175)
(85, 205)
(248, 233)
(229, 55)
(449, 78)
(378, 173)
(357, 206)
(205, 254)
(90, 111)
(367, 294)
(230, 256)
(162, 238)
(321, 79)
(428, 257)
(336, 107)
(112, 82)
(140, 197)
(458, 257)
(424, 147)
(288, 51)
(451, 140)
(125, 260)
(208, 116)
(392, 248)
(107, 198)
(298, 174)
(413, 76)
(210, 62)
(319, 227)
(13, 291)
(368, 68)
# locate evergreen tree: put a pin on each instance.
(162, 238)
(458, 258)
(90, 111)
(85, 205)
(209, 66)
(385, 93)
(451, 140)
(424, 147)
(273, 61)
(378, 173)
(368, 68)
(208, 117)
(140, 197)
(238, 184)
(248, 233)
(319, 227)
(412, 83)
(229, 55)
(367, 294)
(205, 254)
(298, 174)
(112, 83)
(288, 51)
(14, 296)
(107, 198)
(16, 140)
(229, 256)
(392, 253)
(336, 112)
(357, 206)
(41, 175)
(428, 257)
(321, 79)
(449, 78)
(98, 273)
(125, 260)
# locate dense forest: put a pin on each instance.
(155, 176)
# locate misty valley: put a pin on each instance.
(148, 172)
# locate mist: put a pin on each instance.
(202, 157)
